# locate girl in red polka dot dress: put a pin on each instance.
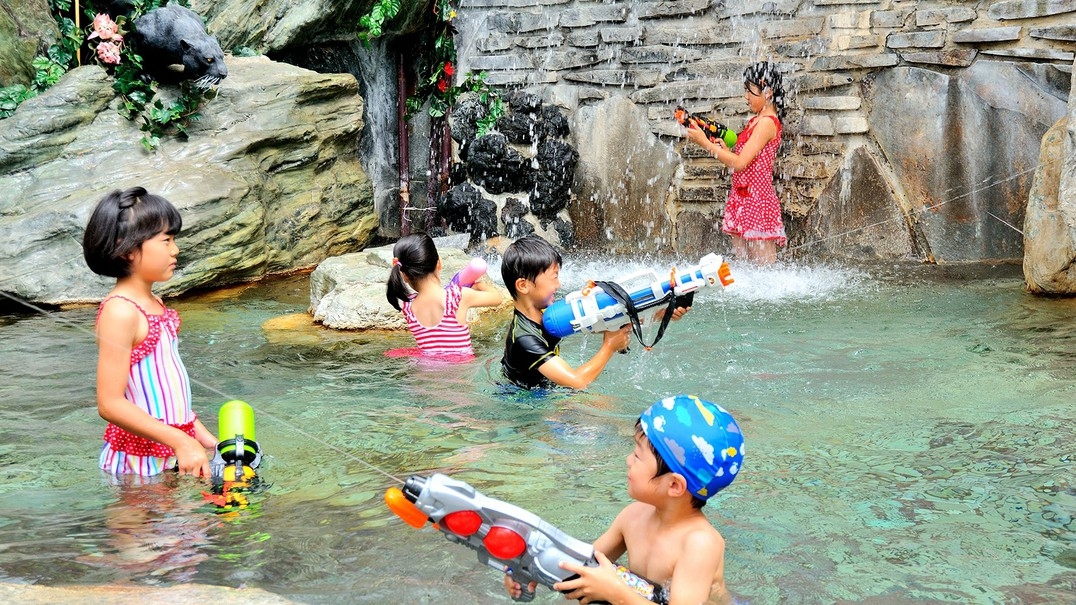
(753, 212)
(143, 390)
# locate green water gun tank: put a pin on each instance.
(236, 419)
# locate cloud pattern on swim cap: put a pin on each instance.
(697, 439)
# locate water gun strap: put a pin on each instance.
(619, 294)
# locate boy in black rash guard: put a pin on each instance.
(531, 272)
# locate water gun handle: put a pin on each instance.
(527, 595)
(715, 131)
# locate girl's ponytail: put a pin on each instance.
(413, 257)
(397, 290)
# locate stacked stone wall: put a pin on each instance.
(662, 53)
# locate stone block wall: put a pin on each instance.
(659, 54)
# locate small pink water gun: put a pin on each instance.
(467, 276)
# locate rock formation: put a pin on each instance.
(267, 183)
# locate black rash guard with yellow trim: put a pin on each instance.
(526, 348)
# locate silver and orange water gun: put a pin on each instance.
(506, 537)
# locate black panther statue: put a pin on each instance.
(175, 46)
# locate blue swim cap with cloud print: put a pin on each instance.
(697, 439)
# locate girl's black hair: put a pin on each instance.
(527, 258)
(120, 224)
(663, 468)
(414, 256)
(766, 75)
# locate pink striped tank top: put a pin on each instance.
(446, 338)
(158, 384)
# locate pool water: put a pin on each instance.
(909, 434)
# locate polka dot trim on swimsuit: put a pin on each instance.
(129, 443)
(169, 319)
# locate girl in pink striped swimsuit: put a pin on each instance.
(143, 390)
(436, 315)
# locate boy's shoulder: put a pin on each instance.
(696, 529)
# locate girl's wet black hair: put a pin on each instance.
(663, 468)
(120, 224)
(415, 256)
(765, 75)
(527, 258)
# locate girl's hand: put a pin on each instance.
(515, 589)
(192, 459)
(594, 584)
(697, 136)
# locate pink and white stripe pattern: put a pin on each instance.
(448, 337)
(158, 384)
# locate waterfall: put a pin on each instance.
(375, 69)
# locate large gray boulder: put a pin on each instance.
(1050, 220)
(274, 25)
(268, 182)
(954, 143)
(26, 30)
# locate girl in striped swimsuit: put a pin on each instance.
(143, 390)
(436, 315)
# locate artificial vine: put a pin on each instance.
(435, 67)
(137, 91)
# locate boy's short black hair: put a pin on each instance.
(663, 467)
(527, 258)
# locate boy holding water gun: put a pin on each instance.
(531, 272)
(686, 450)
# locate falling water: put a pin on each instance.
(376, 73)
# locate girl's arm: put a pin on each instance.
(481, 294)
(117, 330)
(763, 133)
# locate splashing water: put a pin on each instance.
(908, 434)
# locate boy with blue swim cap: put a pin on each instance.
(686, 451)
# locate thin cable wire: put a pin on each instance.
(914, 213)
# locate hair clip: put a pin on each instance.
(396, 262)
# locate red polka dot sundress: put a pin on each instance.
(753, 211)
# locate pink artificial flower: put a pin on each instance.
(103, 27)
(109, 52)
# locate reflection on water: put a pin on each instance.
(911, 440)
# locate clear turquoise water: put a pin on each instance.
(910, 439)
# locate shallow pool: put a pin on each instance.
(910, 439)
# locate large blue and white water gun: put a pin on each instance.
(603, 306)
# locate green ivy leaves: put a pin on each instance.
(381, 11)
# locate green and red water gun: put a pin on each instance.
(715, 131)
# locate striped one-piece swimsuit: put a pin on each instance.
(158, 384)
(448, 337)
